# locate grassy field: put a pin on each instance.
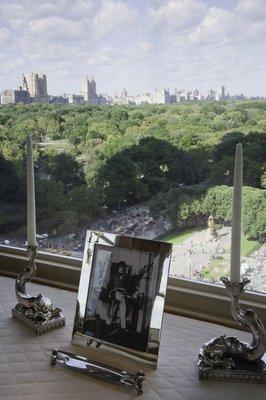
(247, 246)
(179, 237)
(221, 265)
(217, 268)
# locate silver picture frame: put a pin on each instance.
(121, 295)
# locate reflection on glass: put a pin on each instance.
(120, 298)
(122, 293)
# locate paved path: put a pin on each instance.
(199, 250)
(196, 252)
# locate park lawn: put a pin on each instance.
(179, 237)
(217, 268)
(247, 246)
(220, 266)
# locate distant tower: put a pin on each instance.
(89, 91)
(36, 85)
(196, 94)
(222, 93)
(85, 88)
(124, 94)
(92, 87)
(24, 83)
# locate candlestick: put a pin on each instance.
(37, 312)
(226, 357)
(31, 213)
(236, 216)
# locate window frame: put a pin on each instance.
(186, 297)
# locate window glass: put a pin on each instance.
(135, 109)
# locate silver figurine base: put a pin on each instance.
(226, 358)
(242, 372)
(40, 328)
(37, 312)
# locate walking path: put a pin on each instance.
(193, 255)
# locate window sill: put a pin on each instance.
(184, 297)
(209, 302)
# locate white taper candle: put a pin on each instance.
(31, 213)
(236, 215)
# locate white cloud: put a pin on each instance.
(12, 9)
(48, 52)
(38, 9)
(5, 36)
(65, 20)
(139, 45)
(254, 10)
(114, 14)
(146, 46)
(177, 14)
(56, 28)
(220, 25)
(106, 56)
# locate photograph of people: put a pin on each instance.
(122, 290)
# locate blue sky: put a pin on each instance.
(135, 44)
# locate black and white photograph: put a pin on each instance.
(121, 295)
(124, 283)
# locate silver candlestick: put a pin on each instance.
(37, 312)
(226, 357)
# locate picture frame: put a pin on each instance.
(121, 295)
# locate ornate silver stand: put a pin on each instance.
(98, 370)
(36, 312)
(227, 358)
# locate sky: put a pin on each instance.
(139, 45)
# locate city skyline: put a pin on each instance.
(34, 89)
(135, 44)
(89, 77)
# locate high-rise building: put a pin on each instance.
(195, 93)
(222, 92)
(145, 98)
(75, 98)
(89, 91)
(124, 94)
(36, 85)
(15, 96)
(161, 97)
(58, 99)
(104, 99)
(7, 96)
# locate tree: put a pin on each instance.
(130, 154)
(64, 168)
(117, 115)
(10, 182)
(120, 182)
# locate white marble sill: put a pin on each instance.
(26, 374)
